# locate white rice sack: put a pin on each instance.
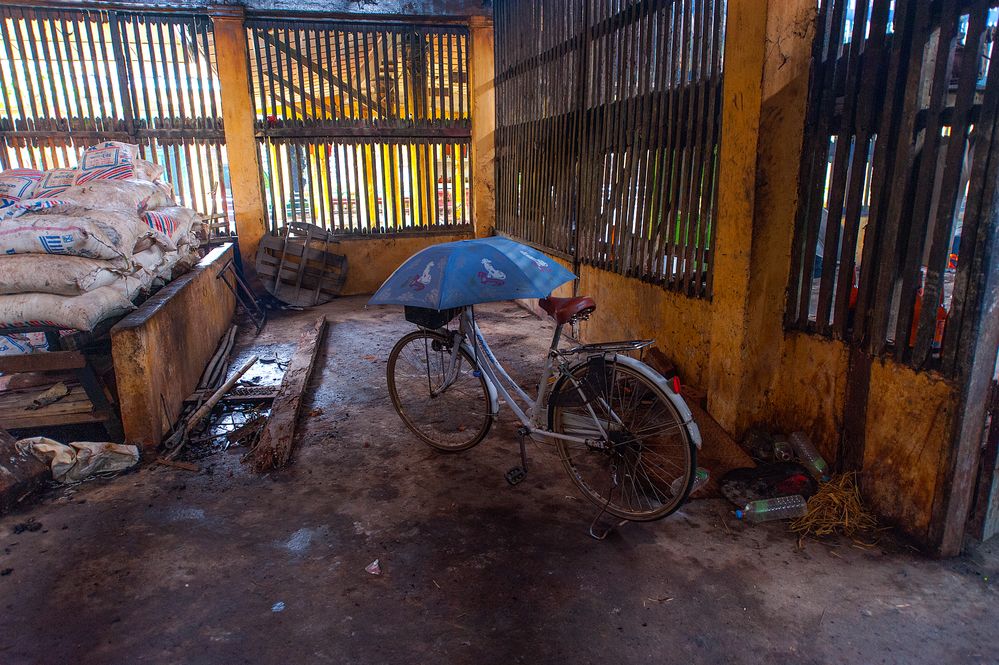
(150, 259)
(17, 184)
(107, 234)
(146, 170)
(59, 275)
(54, 182)
(110, 160)
(82, 312)
(134, 196)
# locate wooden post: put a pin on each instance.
(483, 126)
(978, 346)
(238, 115)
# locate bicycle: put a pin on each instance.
(624, 434)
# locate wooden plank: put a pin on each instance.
(902, 149)
(278, 437)
(42, 362)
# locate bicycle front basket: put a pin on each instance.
(431, 318)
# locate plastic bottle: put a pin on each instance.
(783, 452)
(700, 478)
(809, 456)
(778, 508)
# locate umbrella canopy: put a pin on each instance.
(468, 272)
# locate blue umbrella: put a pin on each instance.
(468, 272)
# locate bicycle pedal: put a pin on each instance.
(515, 475)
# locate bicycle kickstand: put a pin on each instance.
(606, 531)
(518, 473)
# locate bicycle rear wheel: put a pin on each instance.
(451, 419)
(645, 471)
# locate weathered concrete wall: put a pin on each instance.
(161, 349)
(630, 309)
(371, 260)
(909, 422)
(807, 390)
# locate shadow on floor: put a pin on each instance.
(166, 566)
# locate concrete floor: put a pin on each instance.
(167, 566)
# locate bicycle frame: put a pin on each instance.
(498, 380)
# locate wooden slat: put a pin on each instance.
(90, 76)
(603, 169)
(42, 362)
(906, 125)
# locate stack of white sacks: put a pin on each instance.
(78, 246)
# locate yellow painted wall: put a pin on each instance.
(909, 421)
(631, 309)
(807, 390)
(371, 260)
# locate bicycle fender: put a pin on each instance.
(493, 394)
(664, 385)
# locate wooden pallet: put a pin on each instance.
(299, 268)
(73, 409)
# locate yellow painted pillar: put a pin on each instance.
(238, 115)
(483, 125)
(764, 100)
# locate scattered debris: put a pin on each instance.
(186, 466)
(836, 508)
(176, 441)
(249, 432)
(79, 460)
(278, 606)
(277, 438)
(50, 396)
(29, 525)
(664, 599)
(741, 486)
(374, 568)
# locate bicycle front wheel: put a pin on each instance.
(450, 417)
(644, 469)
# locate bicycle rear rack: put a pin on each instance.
(609, 347)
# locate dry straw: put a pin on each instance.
(836, 509)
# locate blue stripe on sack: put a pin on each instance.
(54, 244)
